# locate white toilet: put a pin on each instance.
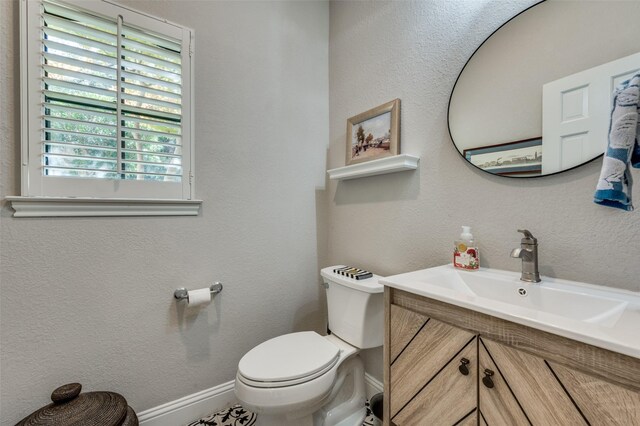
(305, 379)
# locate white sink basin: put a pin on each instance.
(597, 315)
(559, 299)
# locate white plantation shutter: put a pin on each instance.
(109, 102)
(79, 75)
(151, 110)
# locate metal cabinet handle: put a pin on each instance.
(463, 366)
(487, 378)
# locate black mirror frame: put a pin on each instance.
(454, 88)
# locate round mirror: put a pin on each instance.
(535, 98)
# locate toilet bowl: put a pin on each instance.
(305, 379)
(287, 379)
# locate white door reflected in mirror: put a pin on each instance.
(576, 112)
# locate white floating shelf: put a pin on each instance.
(396, 163)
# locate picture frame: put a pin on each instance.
(374, 134)
(523, 157)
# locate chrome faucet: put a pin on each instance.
(528, 252)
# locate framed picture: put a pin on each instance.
(374, 134)
(512, 158)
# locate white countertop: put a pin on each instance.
(601, 316)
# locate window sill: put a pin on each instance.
(96, 207)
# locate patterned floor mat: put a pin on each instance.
(370, 420)
(234, 416)
(238, 416)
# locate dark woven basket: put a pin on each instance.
(70, 408)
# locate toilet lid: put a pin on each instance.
(289, 357)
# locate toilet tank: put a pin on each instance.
(355, 307)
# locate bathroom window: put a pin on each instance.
(106, 103)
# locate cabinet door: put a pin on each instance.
(470, 420)
(448, 397)
(601, 402)
(529, 381)
(427, 380)
(498, 406)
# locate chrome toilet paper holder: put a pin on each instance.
(183, 294)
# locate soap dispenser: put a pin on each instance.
(466, 254)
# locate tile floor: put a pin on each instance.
(238, 416)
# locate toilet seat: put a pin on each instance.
(288, 360)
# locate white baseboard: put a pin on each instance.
(195, 406)
(373, 385)
(190, 408)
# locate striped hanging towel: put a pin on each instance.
(615, 182)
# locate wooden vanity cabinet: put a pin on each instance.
(446, 365)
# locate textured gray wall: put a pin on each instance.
(65, 316)
(406, 221)
(91, 299)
